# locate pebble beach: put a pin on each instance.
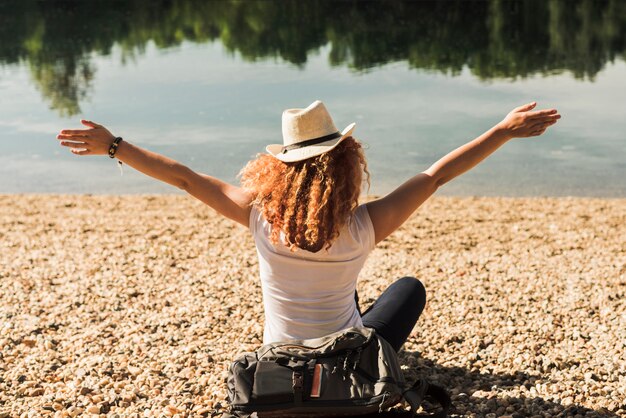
(134, 306)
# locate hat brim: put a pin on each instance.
(304, 153)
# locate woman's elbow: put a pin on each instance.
(183, 179)
(434, 180)
(438, 182)
(183, 185)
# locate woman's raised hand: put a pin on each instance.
(95, 140)
(523, 121)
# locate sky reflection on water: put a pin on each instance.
(205, 105)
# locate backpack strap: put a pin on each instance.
(422, 389)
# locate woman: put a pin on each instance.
(300, 201)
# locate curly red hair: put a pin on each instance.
(309, 200)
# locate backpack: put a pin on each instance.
(347, 373)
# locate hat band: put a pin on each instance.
(308, 142)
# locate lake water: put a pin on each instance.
(205, 83)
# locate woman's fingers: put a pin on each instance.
(72, 137)
(525, 107)
(90, 123)
(550, 118)
(524, 121)
(536, 123)
(94, 140)
(539, 128)
(75, 132)
(71, 144)
(81, 151)
(542, 124)
(66, 133)
(79, 148)
(542, 113)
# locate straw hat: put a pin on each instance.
(307, 133)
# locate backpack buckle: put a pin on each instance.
(298, 381)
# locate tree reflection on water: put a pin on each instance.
(493, 38)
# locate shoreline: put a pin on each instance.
(122, 303)
(363, 198)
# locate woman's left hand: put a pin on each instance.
(95, 140)
(524, 122)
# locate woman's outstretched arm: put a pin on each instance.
(389, 212)
(230, 201)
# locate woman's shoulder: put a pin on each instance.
(361, 227)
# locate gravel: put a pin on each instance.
(134, 306)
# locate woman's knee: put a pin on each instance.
(413, 286)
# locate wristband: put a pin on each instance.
(114, 145)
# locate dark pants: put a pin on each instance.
(396, 311)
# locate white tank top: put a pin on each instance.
(305, 294)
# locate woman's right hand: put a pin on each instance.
(523, 122)
(93, 141)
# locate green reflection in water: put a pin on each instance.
(494, 39)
